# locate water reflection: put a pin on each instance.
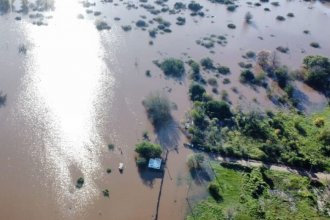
(64, 87)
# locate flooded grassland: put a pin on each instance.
(74, 76)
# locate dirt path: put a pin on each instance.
(324, 176)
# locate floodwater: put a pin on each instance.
(77, 89)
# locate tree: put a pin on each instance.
(173, 67)
(247, 76)
(195, 161)
(158, 108)
(282, 76)
(196, 92)
(263, 58)
(207, 63)
(148, 150)
(218, 109)
(318, 73)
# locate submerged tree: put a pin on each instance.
(158, 108)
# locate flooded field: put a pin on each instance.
(72, 89)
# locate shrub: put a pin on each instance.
(196, 92)
(173, 67)
(147, 150)
(158, 108)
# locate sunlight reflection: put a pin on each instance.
(64, 85)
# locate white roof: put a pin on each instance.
(155, 163)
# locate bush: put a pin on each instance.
(196, 92)
(173, 67)
(218, 109)
(147, 150)
(158, 108)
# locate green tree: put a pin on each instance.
(218, 109)
(158, 108)
(196, 92)
(148, 150)
(173, 67)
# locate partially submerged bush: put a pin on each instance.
(173, 67)
(158, 108)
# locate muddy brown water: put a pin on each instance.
(77, 90)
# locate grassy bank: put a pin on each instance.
(263, 194)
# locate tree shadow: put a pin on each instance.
(200, 176)
(168, 135)
(3, 99)
(149, 176)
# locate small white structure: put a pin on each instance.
(155, 163)
(121, 166)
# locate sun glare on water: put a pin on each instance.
(64, 79)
